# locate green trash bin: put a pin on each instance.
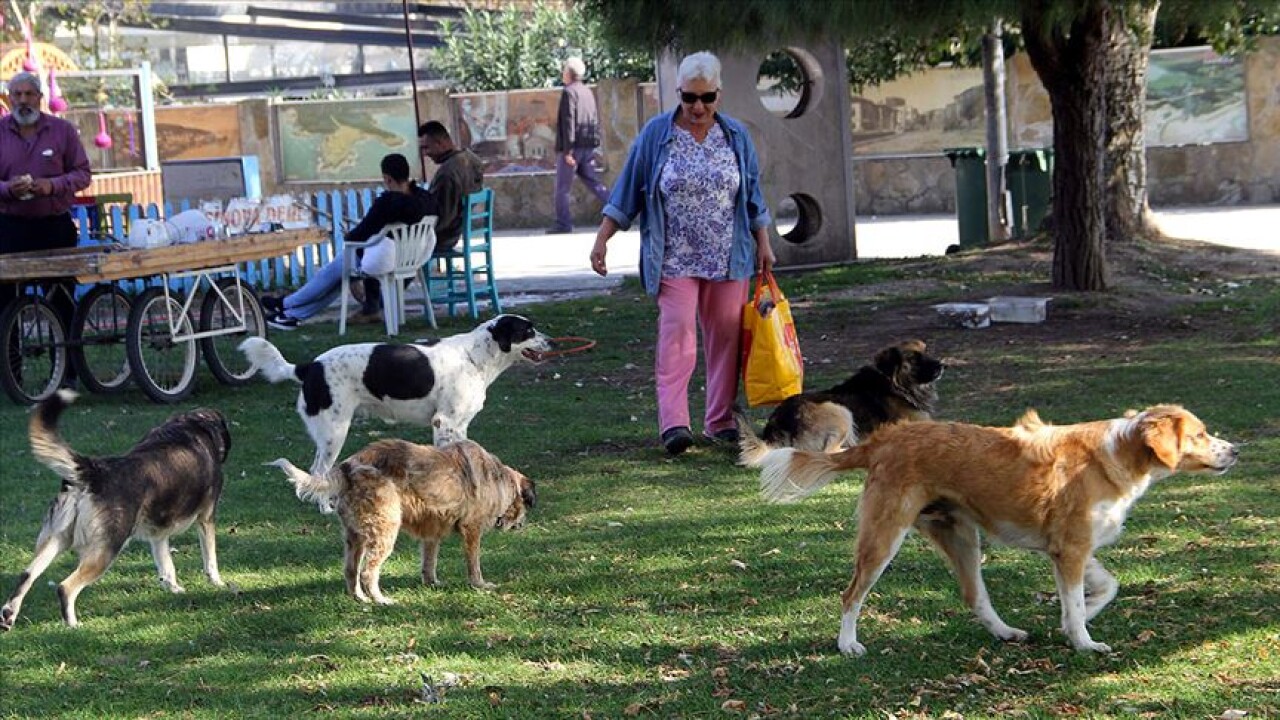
(971, 193)
(1029, 175)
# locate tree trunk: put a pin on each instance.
(1131, 27)
(1070, 58)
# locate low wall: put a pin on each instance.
(1228, 173)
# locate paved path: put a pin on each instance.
(532, 265)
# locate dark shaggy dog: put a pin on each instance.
(170, 479)
(898, 385)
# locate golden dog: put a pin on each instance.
(1063, 491)
(427, 491)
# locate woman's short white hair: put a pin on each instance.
(576, 67)
(701, 65)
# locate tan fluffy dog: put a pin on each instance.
(1063, 491)
(427, 491)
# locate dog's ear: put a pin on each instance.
(501, 333)
(226, 435)
(888, 360)
(528, 495)
(1164, 434)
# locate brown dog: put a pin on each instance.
(897, 385)
(427, 491)
(1063, 491)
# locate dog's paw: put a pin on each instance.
(1012, 635)
(173, 587)
(1092, 646)
(484, 585)
(384, 600)
(7, 618)
(851, 647)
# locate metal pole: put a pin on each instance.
(413, 82)
(993, 78)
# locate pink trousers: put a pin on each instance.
(684, 305)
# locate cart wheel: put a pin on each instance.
(222, 307)
(33, 350)
(97, 350)
(165, 369)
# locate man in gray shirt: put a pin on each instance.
(577, 136)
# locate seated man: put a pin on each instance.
(458, 174)
(403, 202)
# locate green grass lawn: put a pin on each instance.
(656, 587)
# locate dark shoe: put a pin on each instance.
(357, 290)
(280, 321)
(272, 304)
(728, 436)
(558, 231)
(677, 439)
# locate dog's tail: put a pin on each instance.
(788, 475)
(323, 490)
(47, 446)
(267, 360)
(751, 449)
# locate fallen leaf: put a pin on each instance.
(734, 706)
(1232, 714)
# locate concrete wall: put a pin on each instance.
(1243, 173)
(1229, 173)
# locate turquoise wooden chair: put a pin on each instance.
(465, 272)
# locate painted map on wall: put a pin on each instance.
(512, 132)
(1195, 96)
(194, 132)
(920, 114)
(343, 140)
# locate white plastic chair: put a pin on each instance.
(413, 244)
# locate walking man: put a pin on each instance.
(577, 137)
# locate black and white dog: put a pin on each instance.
(438, 383)
(169, 480)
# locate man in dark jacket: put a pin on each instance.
(403, 202)
(459, 173)
(577, 137)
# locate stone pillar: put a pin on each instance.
(806, 157)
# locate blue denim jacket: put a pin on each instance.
(635, 193)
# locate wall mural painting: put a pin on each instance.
(512, 132)
(1194, 97)
(343, 140)
(920, 114)
(195, 132)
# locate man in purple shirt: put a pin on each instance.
(42, 166)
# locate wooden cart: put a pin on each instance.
(150, 338)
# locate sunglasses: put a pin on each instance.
(707, 98)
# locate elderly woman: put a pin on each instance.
(692, 179)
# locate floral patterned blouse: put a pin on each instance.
(699, 183)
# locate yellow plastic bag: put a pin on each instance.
(772, 365)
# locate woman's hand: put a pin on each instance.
(607, 228)
(764, 252)
(597, 257)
